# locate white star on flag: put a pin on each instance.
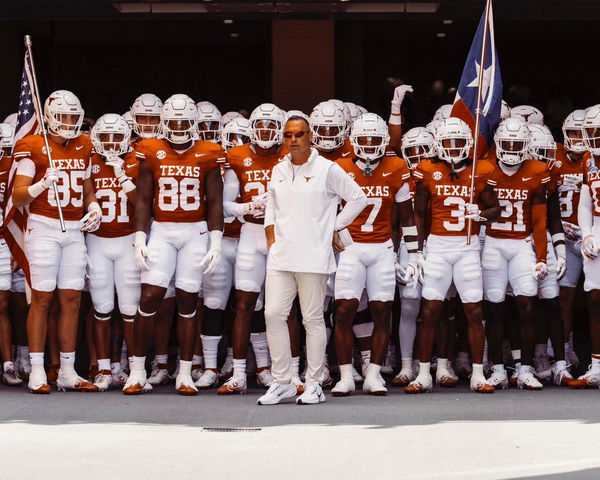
(487, 74)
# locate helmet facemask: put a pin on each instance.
(267, 133)
(178, 130)
(146, 126)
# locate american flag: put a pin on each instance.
(28, 123)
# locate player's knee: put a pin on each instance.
(472, 295)
(547, 292)
(105, 308)
(495, 295)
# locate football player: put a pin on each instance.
(209, 122)
(527, 113)
(369, 260)
(330, 131)
(179, 184)
(145, 114)
(111, 261)
(57, 259)
(443, 191)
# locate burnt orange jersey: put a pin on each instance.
(117, 210)
(564, 166)
(73, 162)
(253, 172)
(448, 196)
(374, 223)
(591, 177)
(179, 178)
(345, 151)
(515, 193)
(232, 227)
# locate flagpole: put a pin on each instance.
(488, 7)
(38, 107)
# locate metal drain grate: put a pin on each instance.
(230, 430)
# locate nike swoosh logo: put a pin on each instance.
(199, 154)
(345, 154)
(525, 179)
(129, 166)
(3, 172)
(79, 147)
(202, 233)
(386, 174)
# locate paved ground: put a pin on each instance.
(446, 434)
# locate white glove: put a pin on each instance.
(92, 220)
(540, 271)
(473, 213)
(561, 267)
(411, 274)
(212, 259)
(399, 94)
(260, 201)
(141, 251)
(589, 247)
(570, 182)
(117, 165)
(572, 232)
(50, 177)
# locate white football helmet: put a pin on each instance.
(179, 118)
(369, 138)
(7, 139)
(328, 126)
(354, 112)
(228, 116)
(63, 114)
(453, 140)
(541, 143)
(572, 129)
(591, 129)
(361, 110)
(236, 132)
(418, 143)
(145, 114)
(128, 117)
(512, 141)
(504, 110)
(295, 113)
(209, 122)
(344, 108)
(111, 135)
(528, 114)
(12, 120)
(442, 113)
(267, 122)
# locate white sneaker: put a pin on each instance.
(589, 379)
(11, 377)
(499, 377)
(343, 388)
(185, 385)
(119, 377)
(561, 375)
(159, 376)
(38, 382)
(515, 375)
(445, 379)
(479, 384)
(197, 373)
(422, 384)
(208, 379)
(298, 383)
(313, 393)
(69, 380)
(357, 377)
(526, 379)
(227, 368)
(404, 377)
(136, 383)
(374, 384)
(326, 380)
(277, 392)
(103, 380)
(264, 378)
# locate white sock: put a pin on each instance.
(137, 364)
(516, 354)
(442, 363)
(239, 367)
(210, 348)
(261, 349)
(346, 372)
(67, 362)
(161, 359)
(596, 361)
(373, 369)
(185, 367)
(424, 368)
(197, 360)
(104, 364)
(478, 370)
(406, 364)
(295, 366)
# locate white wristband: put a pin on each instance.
(395, 119)
(216, 239)
(36, 189)
(139, 238)
(558, 237)
(561, 250)
(127, 185)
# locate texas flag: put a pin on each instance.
(465, 103)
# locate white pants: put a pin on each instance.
(507, 261)
(281, 289)
(591, 268)
(5, 270)
(251, 260)
(176, 249)
(216, 287)
(369, 265)
(111, 265)
(574, 264)
(56, 259)
(450, 260)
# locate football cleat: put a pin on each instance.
(234, 385)
(137, 384)
(526, 380)
(209, 379)
(374, 384)
(590, 379)
(159, 376)
(103, 380)
(515, 375)
(421, 384)
(119, 377)
(264, 378)
(277, 392)
(313, 394)
(71, 381)
(445, 379)
(227, 368)
(299, 385)
(561, 375)
(343, 388)
(480, 385)
(404, 377)
(11, 377)
(38, 383)
(499, 377)
(185, 385)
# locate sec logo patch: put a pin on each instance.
(161, 154)
(247, 162)
(44, 151)
(558, 164)
(437, 175)
(96, 169)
